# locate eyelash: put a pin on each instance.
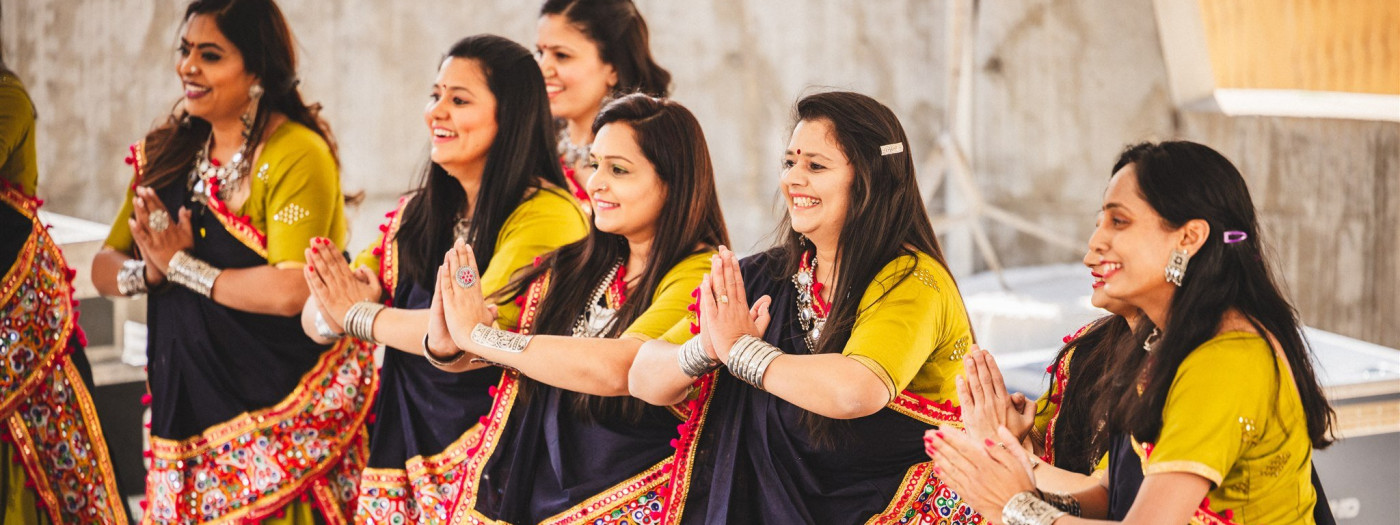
(207, 57)
(456, 101)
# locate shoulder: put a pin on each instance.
(549, 201)
(292, 139)
(1234, 361)
(695, 262)
(918, 270)
(770, 261)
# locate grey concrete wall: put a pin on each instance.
(1060, 86)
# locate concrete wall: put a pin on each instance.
(1060, 86)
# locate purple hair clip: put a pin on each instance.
(1234, 236)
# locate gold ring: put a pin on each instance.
(724, 299)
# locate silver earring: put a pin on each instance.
(1176, 267)
(255, 92)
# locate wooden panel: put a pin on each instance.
(1321, 45)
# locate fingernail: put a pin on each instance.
(314, 250)
(939, 434)
(990, 443)
(937, 470)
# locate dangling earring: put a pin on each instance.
(255, 92)
(1176, 268)
(802, 242)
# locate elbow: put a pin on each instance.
(639, 386)
(289, 306)
(853, 401)
(614, 385)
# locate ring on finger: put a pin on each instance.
(465, 277)
(723, 299)
(158, 221)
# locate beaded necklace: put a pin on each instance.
(598, 316)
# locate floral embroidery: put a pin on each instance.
(251, 466)
(47, 411)
(924, 498)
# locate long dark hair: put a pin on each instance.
(885, 220)
(690, 222)
(259, 31)
(520, 160)
(620, 33)
(1094, 350)
(1183, 181)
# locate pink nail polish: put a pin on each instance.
(990, 443)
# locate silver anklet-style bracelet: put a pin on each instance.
(131, 278)
(323, 329)
(503, 340)
(1026, 509)
(441, 363)
(1061, 501)
(185, 270)
(694, 362)
(359, 320)
(749, 359)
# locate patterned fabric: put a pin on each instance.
(253, 465)
(47, 411)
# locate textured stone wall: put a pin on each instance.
(1059, 87)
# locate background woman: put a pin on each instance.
(492, 180)
(588, 307)
(226, 193)
(44, 385)
(1213, 416)
(866, 328)
(591, 51)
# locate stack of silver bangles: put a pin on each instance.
(192, 273)
(503, 340)
(749, 359)
(131, 278)
(1026, 509)
(694, 362)
(359, 320)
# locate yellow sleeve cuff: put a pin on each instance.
(879, 372)
(1190, 467)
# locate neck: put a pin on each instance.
(826, 266)
(1156, 310)
(470, 179)
(581, 129)
(227, 133)
(638, 249)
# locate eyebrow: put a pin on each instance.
(453, 88)
(1115, 205)
(555, 47)
(203, 45)
(810, 155)
(616, 157)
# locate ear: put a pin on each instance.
(1193, 235)
(612, 77)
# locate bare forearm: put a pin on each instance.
(831, 385)
(308, 320)
(402, 329)
(587, 365)
(1051, 479)
(262, 290)
(655, 375)
(105, 266)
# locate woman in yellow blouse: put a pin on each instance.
(1212, 417)
(855, 332)
(493, 181)
(587, 308)
(225, 195)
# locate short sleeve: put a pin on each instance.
(895, 334)
(1220, 391)
(546, 221)
(680, 332)
(119, 237)
(303, 199)
(17, 153)
(672, 298)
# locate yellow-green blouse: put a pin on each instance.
(913, 338)
(18, 158)
(547, 219)
(294, 196)
(1234, 417)
(672, 298)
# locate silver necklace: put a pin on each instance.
(597, 318)
(210, 179)
(572, 154)
(811, 320)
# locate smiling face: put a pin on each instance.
(211, 71)
(1132, 245)
(575, 76)
(461, 117)
(816, 182)
(627, 192)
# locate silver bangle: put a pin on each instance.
(1026, 509)
(441, 363)
(749, 359)
(131, 278)
(192, 273)
(1061, 501)
(359, 320)
(498, 339)
(693, 360)
(323, 329)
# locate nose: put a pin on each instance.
(596, 181)
(436, 110)
(1098, 244)
(185, 65)
(546, 64)
(794, 176)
